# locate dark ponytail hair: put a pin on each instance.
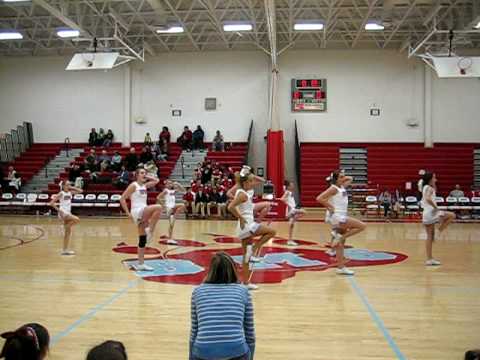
(426, 178)
(29, 342)
(108, 350)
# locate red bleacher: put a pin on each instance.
(165, 168)
(390, 165)
(233, 157)
(34, 159)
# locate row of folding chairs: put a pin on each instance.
(79, 200)
(411, 203)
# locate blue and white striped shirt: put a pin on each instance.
(222, 322)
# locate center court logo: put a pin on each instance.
(280, 263)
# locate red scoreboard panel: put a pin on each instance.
(309, 95)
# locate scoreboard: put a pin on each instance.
(309, 95)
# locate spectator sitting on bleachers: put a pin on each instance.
(207, 174)
(123, 179)
(189, 201)
(131, 160)
(92, 137)
(108, 139)
(90, 161)
(457, 192)
(147, 141)
(218, 142)
(221, 201)
(165, 135)
(201, 200)
(196, 185)
(104, 161)
(146, 155)
(29, 342)
(108, 350)
(100, 137)
(216, 174)
(116, 161)
(185, 140)
(13, 179)
(198, 136)
(160, 150)
(75, 176)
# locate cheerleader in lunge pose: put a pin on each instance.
(335, 199)
(293, 214)
(167, 196)
(242, 208)
(432, 215)
(143, 215)
(64, 199)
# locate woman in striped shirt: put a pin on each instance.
(222, 315)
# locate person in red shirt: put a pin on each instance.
(189, 201)
(185, 140)
(196, 185)
(165, 135)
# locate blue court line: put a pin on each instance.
(376, 318)
(87, 316)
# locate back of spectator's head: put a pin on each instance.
(199, 127)
(165, 128)
(29, 342)
(185, 127)
(110, 130)
(148, 134)
(93, 130)
(222, 270)
(218, 132)
(108, 350)
(472, 355)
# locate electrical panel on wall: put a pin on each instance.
(309, 95)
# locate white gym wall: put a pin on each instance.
(61, 103)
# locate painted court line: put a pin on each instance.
(376, 319)
(87, 316)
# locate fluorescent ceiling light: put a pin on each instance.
(477, 26)
(237, 27)
(68, 33)
(303, 26)
(374, 26)
(171, 30)
(10, 35)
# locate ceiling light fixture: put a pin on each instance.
(171, 30)
(308, 25)
(237, 26)
(10, 35)
(374, 26)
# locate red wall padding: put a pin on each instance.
(390, 165)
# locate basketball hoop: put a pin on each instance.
(464, 64)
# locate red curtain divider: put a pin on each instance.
(276, 165)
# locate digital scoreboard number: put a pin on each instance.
(309, 95)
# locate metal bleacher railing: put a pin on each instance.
(298, 158)
(17, 141)
(249, 140)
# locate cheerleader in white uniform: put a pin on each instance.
(242, 208)
(335, 199)
(167, 197)
(143, 215)
(260, 209)
(64, 209)
(293, 213)
(432, 215)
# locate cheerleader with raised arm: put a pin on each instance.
(335, 199)
(143, 215)
(242, 208)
